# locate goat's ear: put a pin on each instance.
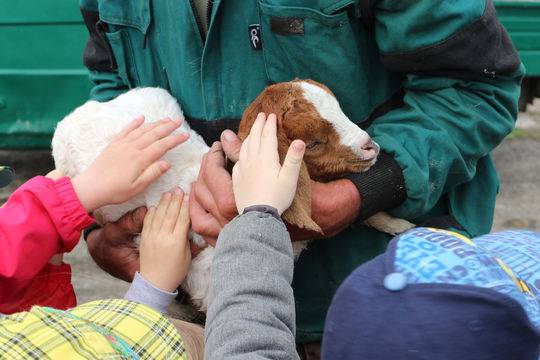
(299, 213)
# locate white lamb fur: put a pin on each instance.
(83, 134)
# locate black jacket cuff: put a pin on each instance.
(381, 188)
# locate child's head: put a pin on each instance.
(438, 295)
(193, 337)
(101, 329)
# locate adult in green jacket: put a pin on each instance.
(435, 83)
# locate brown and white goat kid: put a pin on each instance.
(309, 111)
(305, 109)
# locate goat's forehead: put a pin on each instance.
(329, 109)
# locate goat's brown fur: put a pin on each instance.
(325, 159)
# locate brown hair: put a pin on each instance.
(193, 338)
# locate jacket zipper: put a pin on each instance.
(209, 12)
(198, 18)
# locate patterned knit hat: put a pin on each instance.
(105, 329)
(438, 295)
(7, 174)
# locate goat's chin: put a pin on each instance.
(369, 165)
(361, 166)
(298, 247)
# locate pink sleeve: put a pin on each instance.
(41, 218)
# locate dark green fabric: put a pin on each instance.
(441, 136)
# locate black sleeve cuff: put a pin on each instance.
(89, 229)
(382, 187)
(264, 209)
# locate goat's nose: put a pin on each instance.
(370, 149)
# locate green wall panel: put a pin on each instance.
(42, 78)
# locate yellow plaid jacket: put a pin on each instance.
(105, 329)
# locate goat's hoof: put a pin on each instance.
(397, 226)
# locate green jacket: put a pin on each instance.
(435, 83)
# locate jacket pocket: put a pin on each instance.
(327, 44)
(128, 25)
(125, 58)
(128, 13)
(306, 42)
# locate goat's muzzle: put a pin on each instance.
(369, 150)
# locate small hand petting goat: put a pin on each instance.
(305, 110)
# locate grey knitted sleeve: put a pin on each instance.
(143, 292)
(251, 303)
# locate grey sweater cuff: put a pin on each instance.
(267, 209)
(143, 292)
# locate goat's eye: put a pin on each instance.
(312, 145)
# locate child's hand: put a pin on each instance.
(128, 164)
(258, 178)
(55, 174)
(57, 259)
(165, 251)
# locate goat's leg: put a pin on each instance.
(388, 224)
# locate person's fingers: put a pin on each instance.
(256, 132)
(293, 161)
(215, 155)
(112, 247)
(150, 133)
(203, 222)
(244, 152)
(173, 211)
(130, 127)
(183, 220)
(159, 147)
(231, 145)
(269, 129)
(213, 189)
(132, 222)
(147, 222)
(196, 209)
(144, 128)
(152, 173)
(181, 228)
(161, 211)
(269, 142)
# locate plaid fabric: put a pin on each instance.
(105, 329)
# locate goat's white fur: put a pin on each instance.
(328, 107)
(83, 134)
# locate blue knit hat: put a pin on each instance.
(7, 174)
(437, 295)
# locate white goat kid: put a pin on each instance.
(83, 134)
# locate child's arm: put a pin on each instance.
(251, 304)
(165, 253)
(45, 217)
